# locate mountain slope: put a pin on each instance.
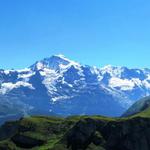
(57, 85)
(140, 106)
(78, 132)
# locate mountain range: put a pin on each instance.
(60, 86)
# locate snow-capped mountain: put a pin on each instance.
(64, 87)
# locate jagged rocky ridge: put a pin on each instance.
(57, 85)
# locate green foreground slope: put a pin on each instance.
(77, 133)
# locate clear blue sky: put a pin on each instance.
(93, 32)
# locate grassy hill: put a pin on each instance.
(77, 133)
(138, 107)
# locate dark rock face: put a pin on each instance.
(26, 142)
(128, 135)
(132, 134)
(81, 135)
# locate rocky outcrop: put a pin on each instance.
(26, 141)
(77, 133)
(132, 134)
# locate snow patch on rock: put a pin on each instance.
(7, 87)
